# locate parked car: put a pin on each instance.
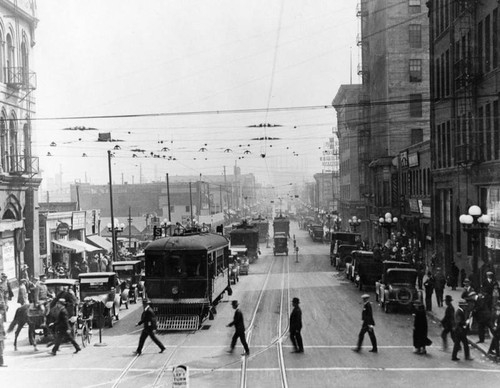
(367, 270)
(317, 232)
(342, 256)
(130, 276)
(101, 287)
(337, 240)
(397, 286)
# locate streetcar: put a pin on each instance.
(281, 224)
(263, 227)
(246, 234)
(186, 275)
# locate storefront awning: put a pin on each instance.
(100, 242)
(86, 247)
(67, 246)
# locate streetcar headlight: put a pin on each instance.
(175, 290)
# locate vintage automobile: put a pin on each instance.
(397, 286)
(367, 270)
(101, 287)
(130, 276)
(240, 251)
(280, 243)
(234, 269)
(317, 232)
(342, 238)
(342, 256)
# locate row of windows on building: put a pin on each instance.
(469, 139)
(416, 182)
(466, 65)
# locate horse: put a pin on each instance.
(22, 317)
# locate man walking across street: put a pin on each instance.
(296, 326)
(148, 319)
(448, 321)
(460, 335)
(239, 326)
(62, 327)
(367, 326)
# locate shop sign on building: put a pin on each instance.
(413, 159)
(62, 229)
(8, 258)
(78, 220)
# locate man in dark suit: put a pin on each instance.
(448, 321)
(296, 326)
(367, 326)
(62, 327)
(487, 289)
(467, 289)
(239, 326)
(148, 318)
(460, 335)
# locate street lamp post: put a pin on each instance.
(475, 224)
(337, 223)
(115, 227)
(354, 223)
(388, 222)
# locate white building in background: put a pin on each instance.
(19, 172)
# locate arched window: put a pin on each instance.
(13, 150)
(2, 57)
(25, 64)
(3, 143)
(10, 60)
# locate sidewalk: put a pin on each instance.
(437, 314)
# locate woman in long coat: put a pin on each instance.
(420, 340)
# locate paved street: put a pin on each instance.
(331, 308)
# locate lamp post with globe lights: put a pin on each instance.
(337, 223)
(475, 224)
(354, 223)
(388, 222)
(115, 227)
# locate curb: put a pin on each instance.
(483, 349)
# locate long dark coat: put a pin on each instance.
(420, 328)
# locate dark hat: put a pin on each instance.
(448, 298)
(296, 300)
(234, 303)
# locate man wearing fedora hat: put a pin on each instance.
(296, 326)
(62, 327)
(448, 321)
(367, 326)
(239, 326)
(148, 319)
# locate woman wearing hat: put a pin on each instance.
(420, 340)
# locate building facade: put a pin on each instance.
(19, 179)
(465, 129)
(394, 97)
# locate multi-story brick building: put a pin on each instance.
(465, 128)
(394, 95)
(19, 180)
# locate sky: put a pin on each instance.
(182, 86)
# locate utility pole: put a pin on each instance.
(190, 202)
(113, 239)
(168, 199)
(129, 228)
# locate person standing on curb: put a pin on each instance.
(495, 330)
(367, 326)
(429, 288)
(148, 319)
(239, 326)
(460, 335)
(448, 321)
(296, 326)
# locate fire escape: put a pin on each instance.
(467, 73)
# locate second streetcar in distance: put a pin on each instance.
(186, 276)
